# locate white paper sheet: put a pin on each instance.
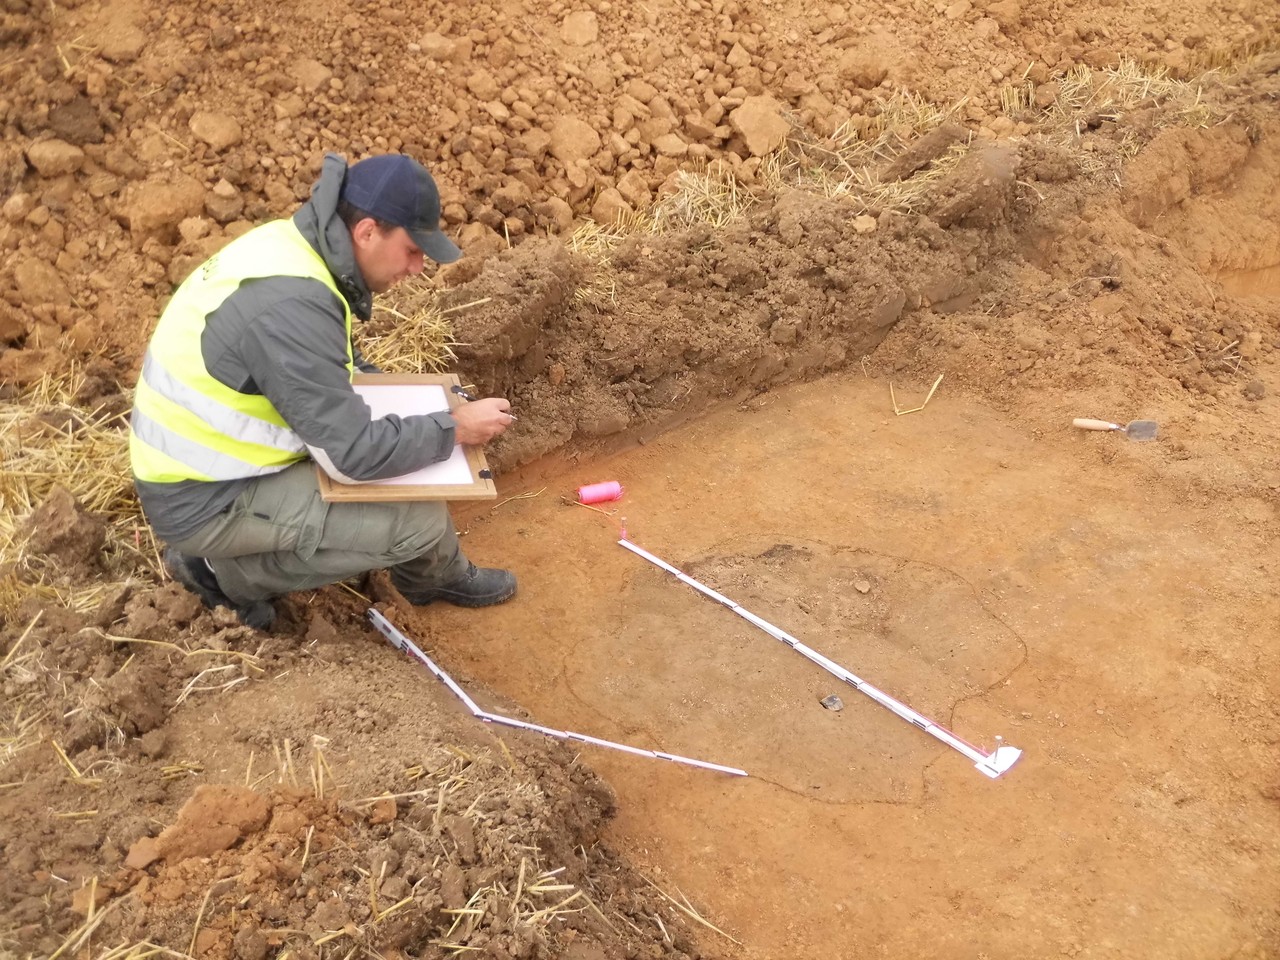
(408, 400)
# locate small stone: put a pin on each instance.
(1002, 126)
(194, 228)
(438, 47)
(216, 129)
(18, 206)
(288, 106)
(1255, 390)
(609, 207)
(642, 90)
(670, 145)
(573, 139)
(480, 241)
(862, 586)
(40, 284)
(382, 811)
(832, 702)
(738, 57)
(580, 28)
(698, 127)
(511, 196)
(157, 206)
(498, 111)
(761, 125)
(535, 143)
(986, 29)
(54, 158)
(863, 66)
(556, 212)
(88, 900)
(482, 84)
(311, 75)
(223, 202)
(865, 224)
(635, 189)
(142, 854)
(122, 45)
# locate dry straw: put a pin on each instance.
(1083, 97)
(409, 332)
(473, 786)
(707, 194)
(847, 164)
(49, 439)
(521, 896)
(687, 908)
(22, 709)
(1084, 93)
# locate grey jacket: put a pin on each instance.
(285, 338)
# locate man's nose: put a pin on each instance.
(417, 263)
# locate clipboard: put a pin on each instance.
(464, 476)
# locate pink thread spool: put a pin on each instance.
(600, 492)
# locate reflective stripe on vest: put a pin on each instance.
(187, 425)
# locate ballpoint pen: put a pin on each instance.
(468, 397)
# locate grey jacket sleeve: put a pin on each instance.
(363, 365)
(294, 352)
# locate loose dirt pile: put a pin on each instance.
(1064, 209)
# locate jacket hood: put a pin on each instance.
(318, 221)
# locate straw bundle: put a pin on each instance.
(846, 164)
(1084, 96)
(1128, 85)
(408, 332)
(709, 195)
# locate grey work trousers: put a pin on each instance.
(279, 536)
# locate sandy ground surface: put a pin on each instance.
(1062, 209)
(1014, 585)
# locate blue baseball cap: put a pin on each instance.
(399, 190)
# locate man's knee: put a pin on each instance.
(425, 528)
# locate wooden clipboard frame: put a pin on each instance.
(481, 486)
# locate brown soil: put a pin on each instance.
(168, 776)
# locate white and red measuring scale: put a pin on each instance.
(404, 644)
(991, 764)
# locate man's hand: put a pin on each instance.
(482, 420)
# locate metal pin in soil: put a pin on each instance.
(991, 764)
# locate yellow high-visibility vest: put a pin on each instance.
(186, 425)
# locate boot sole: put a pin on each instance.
(461, 600)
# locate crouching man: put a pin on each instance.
(246, 386)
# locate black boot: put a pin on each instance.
(194, 574)
(478, 587)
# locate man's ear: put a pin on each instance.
(363, 233)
